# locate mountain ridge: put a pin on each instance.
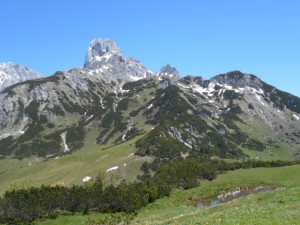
(12, 73)
(118, 98)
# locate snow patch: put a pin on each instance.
(188, 145)
(150, 106)
(90, 117)
(228, 87)
(149, 71)
(98, 58)
(220, 92)
(259, 99)
(101, 103)
(63, 138)
(124, 91)
(211, 89)
(86, 179)
(107, 56)
(200, 90)
(113, 168)
(297, 117)
(183, 85)
(260, 91)
(135, 78)
(130, 155)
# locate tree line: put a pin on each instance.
(28, 205)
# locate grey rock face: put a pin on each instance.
(11, 73)
(175, 132)
(103, 56)
(166, 83)
(62, 90)
(169, 70)
(236, 79)
(189, 80)
(97, 49)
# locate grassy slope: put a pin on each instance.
(88, 161)
(277, 207)
(259, 131)
(71, 169)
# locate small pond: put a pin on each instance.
(237, 193)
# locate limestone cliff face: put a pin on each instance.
(97, 49)
(12, 73)
(103, 55)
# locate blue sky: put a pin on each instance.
(198, 37)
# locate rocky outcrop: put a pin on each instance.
(12, 73)
(104, 57)
(237, 79)
(169, 71)
(97, 49)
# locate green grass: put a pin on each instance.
(277, 207)
(68, 120)
(277, 150)
(71, 169)
(281, 206)
(88, 161)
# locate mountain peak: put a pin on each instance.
(11, 73)
(99, 47)
(169, 70)
(238, 79)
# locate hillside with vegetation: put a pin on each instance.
(113, 142)
(46, 202)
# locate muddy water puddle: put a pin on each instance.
(237, 193)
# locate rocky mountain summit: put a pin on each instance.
(169, 71)
(238, 80)
(104, 56)
(97, 49)
(114, 98)
(12, 73)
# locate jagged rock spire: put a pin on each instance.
(99, 47)
(169, 70)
